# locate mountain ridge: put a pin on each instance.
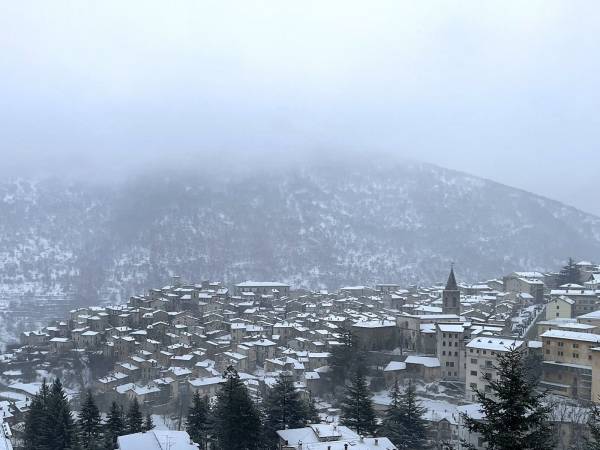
(314, 225)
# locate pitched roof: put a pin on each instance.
(451, 283)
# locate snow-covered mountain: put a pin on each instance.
(318, 225)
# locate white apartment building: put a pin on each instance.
(481, 359)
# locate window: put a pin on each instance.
(473, 373)
(561, 344)
(443, 352)
(473, 360)
(575, 355)
(547, 352)
(575, 345)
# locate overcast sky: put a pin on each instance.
(505, 90)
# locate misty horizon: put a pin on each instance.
(502, 90)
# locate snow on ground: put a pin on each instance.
(28, 388)
(163, 422)
(13, 396)
(436, 408)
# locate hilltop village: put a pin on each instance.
(171, 342)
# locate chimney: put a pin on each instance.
(345, 446)
(376, 441)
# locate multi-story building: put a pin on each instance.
(450, 339)
(481, 362)
(584, 300)
(560, 307)
(567, 365)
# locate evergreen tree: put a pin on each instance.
(311, 414)
(197, 424)
(90, 426)
(345, 358)
(284, 408)
(60, 432)
(593, 441)
(569, 273)
(36, 420)
(403, 423)
(514, 415)
(148, 423)
(237, 420)
(357, 407)
(134, 420)
(115, 426)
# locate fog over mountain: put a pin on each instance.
(506, 90)
(315, 225)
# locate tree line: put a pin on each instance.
(50, 425)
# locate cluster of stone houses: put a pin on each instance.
(172, 341)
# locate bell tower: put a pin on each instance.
(451, 295)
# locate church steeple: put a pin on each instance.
(451, 283)
(451, 295)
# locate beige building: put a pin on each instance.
(567, 365)
(566, 325)
(559, 308)
(595, 395)
(585, 300)
(481, 359)
(591, 318)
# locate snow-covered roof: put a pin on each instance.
(250, 284)
(313, 433)
(354, 444)
(375, 323)
(427, 361)
(472, 410)
(492, 343)
(590, 315)
(394, 366)
(451, 328)
(571, 335)
(156, 440)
